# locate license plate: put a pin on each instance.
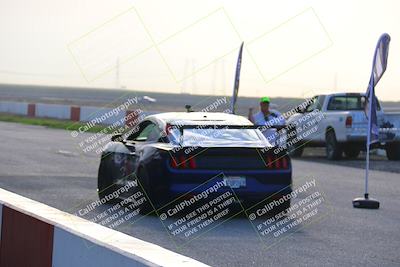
(235, 181)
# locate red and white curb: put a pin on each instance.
(36, 235)
(66, 112)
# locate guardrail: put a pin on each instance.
(34, 234)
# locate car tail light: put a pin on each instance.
(276, 162)
(174, 162)
(183, 163)
(349, 121)
(284, 163)
(168, 129)
(269, 162)
(192, 163)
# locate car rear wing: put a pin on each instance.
(213, 126)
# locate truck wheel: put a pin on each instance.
(333, 149)
(393, 151)
(352, 152)
(294, 150)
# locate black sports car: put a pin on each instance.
(172, 154)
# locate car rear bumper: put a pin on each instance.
(259, 184)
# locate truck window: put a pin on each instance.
(363, 98)
(321, 100)
(315, 104)
(353, 102)
(337, 103)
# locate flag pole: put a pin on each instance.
(379, 64)
(368, 142)
(366, 202)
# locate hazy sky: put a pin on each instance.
(292, 48)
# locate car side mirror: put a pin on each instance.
(301, 110)
(117, 138)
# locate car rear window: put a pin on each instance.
(209, 135)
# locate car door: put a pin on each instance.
(148, 132)
(127, 153)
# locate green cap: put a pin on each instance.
(265, 99)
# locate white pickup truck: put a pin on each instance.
(339, 123)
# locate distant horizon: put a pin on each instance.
(171, 93)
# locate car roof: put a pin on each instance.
(199, 118)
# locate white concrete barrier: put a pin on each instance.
(102, 115)
(20, 108)
(34, 234)
(53, 111)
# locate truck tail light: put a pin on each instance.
(349, 121)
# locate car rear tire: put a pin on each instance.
(393, 151)
(105, 183)
(352, 152)
(144, 184)
(333, 149)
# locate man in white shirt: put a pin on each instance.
(268, 118)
